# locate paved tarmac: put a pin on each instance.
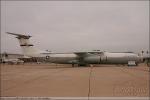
(52, 80)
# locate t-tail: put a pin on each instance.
(27, 47)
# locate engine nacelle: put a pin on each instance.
(92, 59)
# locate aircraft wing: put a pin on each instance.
(96, 53)
(81, 54)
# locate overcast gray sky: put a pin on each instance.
(65, 26)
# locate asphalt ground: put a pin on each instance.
(51, 80)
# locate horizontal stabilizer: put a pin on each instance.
(19, 35)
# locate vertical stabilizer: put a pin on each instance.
(27, 47)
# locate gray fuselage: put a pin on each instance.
(89, 58)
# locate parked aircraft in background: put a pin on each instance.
(80, 58)
(12, 61)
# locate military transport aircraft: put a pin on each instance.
(79, 58)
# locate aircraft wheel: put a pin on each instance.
(82, 65)
(137, 64)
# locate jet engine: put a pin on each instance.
(92, 59)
